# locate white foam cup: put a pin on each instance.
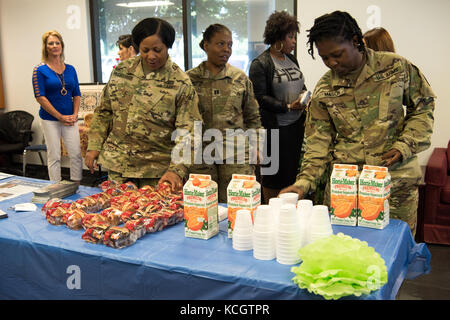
(319, 215)
(258, 238)
(287, 234)
(291, 227)
(237, 244)
(287, 253)
(242, 234)
(264, 215)
(242, 241)
(240, 247)
(243, 219)
(304, 210)
(287, 261)
(264, 236)
(288, 214)
(262, 232)
(263, 228)
(289, 197)
(264, 249)
(304, 204)
(287, 243)
(276, 204)
(264, 256)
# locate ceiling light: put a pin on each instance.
(141, 4)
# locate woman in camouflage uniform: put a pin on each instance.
(356, 115)
(226, 102)
(146, 99)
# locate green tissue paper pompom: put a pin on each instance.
(338, 266)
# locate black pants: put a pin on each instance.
(290, 145)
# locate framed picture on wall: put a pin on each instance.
(90, 98)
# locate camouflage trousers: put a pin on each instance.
(139, 182)
(222, 174)
(403, 202)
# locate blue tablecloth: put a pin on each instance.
(42, 261)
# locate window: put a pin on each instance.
(117, 17)
(246, 19)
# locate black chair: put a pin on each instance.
(33, 148)
(15, 136)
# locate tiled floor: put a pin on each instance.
(433, 286)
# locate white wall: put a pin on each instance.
(420, 33)
(419, 29)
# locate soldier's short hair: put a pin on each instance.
(211, 31)
(126, 40)
(334, 25)
(151, 26)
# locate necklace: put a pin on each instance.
(63, 83)
(277, 54)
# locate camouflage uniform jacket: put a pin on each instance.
(356, 122)
(226, 100)
(133, 124)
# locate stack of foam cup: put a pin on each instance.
(304, 209)
(319, 223)
(264, 233)
(288, 235)
(275, 204)
(243, 231)
(289, 197)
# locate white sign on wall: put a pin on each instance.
(74, 19)
(374, 19)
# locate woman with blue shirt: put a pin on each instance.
(56, 89)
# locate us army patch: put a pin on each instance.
(389, 73)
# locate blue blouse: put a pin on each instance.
(46, 83)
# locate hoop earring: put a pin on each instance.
(279, 50)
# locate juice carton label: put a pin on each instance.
(200, 207)
(373, 197)
(243, 192)
(346, 166)
(376, 168)
(344, 195)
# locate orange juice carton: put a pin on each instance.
(200, 207)
(373, 197)
(243, 192)
(344, 194)
(376, 168)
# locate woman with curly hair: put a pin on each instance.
(278, 84)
